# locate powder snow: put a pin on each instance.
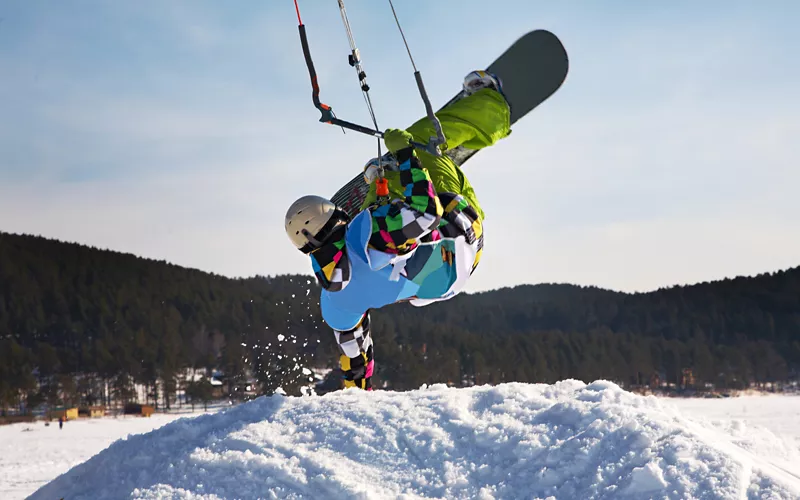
(533, 441)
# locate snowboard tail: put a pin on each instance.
(531, 70)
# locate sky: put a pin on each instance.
(182, 131)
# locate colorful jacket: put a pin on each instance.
(421, 248)
(424, 245)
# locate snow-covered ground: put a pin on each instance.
(778, 413)
(33, 454)
(766, 425)
(567, 440)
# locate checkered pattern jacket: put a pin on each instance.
(397, 227)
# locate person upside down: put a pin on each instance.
(420, 247)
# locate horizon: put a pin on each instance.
(181, 132)
(311, 276)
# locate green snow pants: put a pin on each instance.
(476, 121)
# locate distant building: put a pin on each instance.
(64, 413)
(655, 381)
(138, 409)
(92, 411)
(217, 389)
(687, 378)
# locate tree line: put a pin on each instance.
(75, 318)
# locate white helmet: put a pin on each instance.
(311, 220)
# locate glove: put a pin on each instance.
(372, 170)
(396, 139)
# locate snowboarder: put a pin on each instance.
(421, 245)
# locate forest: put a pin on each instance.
(82, 325)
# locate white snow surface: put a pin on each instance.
(744, 415)
(766, 425)
(566, 440)
(32, 454)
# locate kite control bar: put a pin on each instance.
(328, 116)
(327, 111)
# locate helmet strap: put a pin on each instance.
(312, 244)
(338, 219)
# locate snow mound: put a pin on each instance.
(566, 440)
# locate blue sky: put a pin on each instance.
(182, 130)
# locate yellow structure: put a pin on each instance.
(92, 411)
(65, 413)
(139, 409)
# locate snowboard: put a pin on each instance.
(530, 71)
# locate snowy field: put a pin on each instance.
(768, 425)
(776, 413)
(34, 454)
(567, 440)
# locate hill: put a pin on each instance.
(74, 317)
(567, 440)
